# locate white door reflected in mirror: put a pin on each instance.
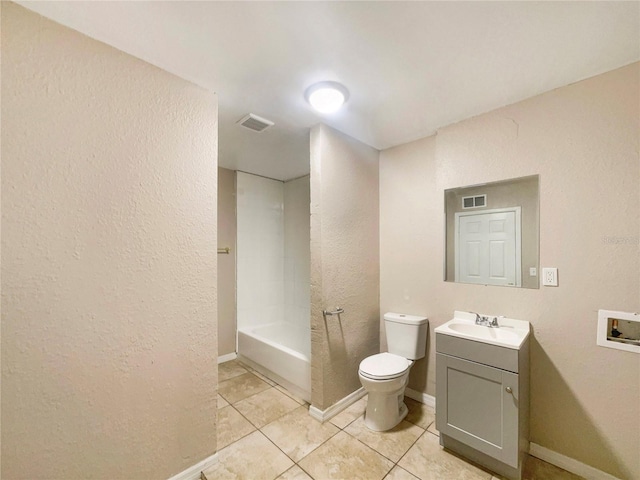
(492, 233)
(488, 247)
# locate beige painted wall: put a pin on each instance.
(227, 263)
(583, 140)
(344, 262)
(108, 260)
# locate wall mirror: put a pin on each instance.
(492, 233)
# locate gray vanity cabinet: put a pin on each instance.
(482, 402)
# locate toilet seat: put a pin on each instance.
(384, 366)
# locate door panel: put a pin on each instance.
(487, 249)
(474, 407)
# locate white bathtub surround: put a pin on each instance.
(274, 334)
(297, 254)
(282, 352)
(260, 279)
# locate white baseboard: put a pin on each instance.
(194, 472)
(420, 397)
(336, 408)
(227, 358)
(569, 464)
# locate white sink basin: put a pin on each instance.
(511, 333)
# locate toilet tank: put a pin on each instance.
(406, 334)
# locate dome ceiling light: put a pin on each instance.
(326, 97)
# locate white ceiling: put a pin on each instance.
(410, 67)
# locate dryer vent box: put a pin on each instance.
(619, 330)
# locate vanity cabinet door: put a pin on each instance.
(478, 405)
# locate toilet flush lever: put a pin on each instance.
(337, 311)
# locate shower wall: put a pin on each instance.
(297, 254)
(273, 250)
(260, 217)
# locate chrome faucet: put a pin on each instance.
(484, 321)
(480, 320)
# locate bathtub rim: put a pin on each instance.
(251, 332)
(300, 386)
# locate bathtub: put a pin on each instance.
(280, 351)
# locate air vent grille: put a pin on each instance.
(475, 201)
(255, 123)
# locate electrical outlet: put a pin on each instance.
(533, 272)
(550, 277)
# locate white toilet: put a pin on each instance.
(385, 375)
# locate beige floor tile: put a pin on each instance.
(393, 443)
(350, 413)
(246, 459)
(229, 370)
(291, 395)
(419, 413)
(427, 460)
(432, 429)
(344, 457)
(294, 473)
(261, 376)
(231, 426)
(398, 473)
(297, 433)
(265, 407)
(536, 469)
(240, 387)
(222, 402)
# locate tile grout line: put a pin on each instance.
(405, 453)
(395, 464)
(259, 429)
(306, 405)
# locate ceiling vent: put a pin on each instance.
(255, 123)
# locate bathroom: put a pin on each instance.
(110, 293)
(412, 180)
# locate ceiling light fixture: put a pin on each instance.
(326, 97)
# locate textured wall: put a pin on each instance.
(583, 140)
(227, 263)
(108, 260)
(344, 262)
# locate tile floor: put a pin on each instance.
(265, 433)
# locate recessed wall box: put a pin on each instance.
(620, 330)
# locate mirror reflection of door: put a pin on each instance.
(488, 247)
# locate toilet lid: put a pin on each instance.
(384, 366)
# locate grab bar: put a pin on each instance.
(224, 250)
(337, 311)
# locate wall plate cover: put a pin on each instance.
(550, 277)
(628, 337)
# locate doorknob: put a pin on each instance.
(509, 390)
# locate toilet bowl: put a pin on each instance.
(385, 375)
